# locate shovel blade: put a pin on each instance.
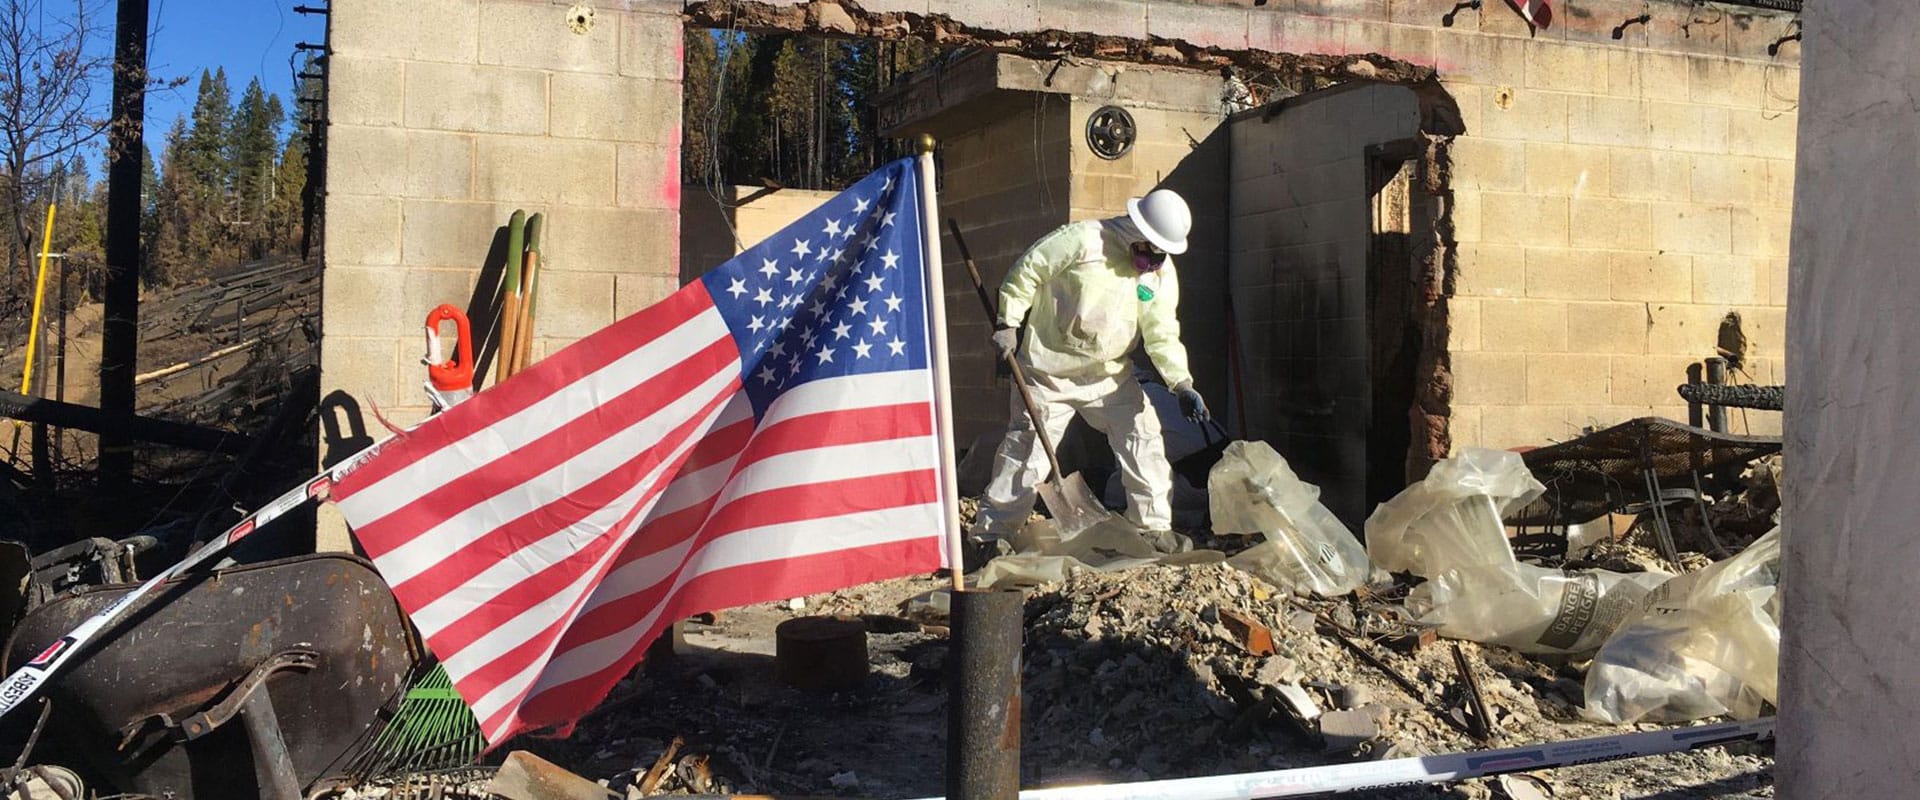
(1072, 504)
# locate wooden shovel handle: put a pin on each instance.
(1013, 361)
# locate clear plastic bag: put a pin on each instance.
(1531, 609)
(1452, 518)
(1706, 644)
(1044, 556)
(1252, 490)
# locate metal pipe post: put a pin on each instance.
(1717, 375)
(983, 700)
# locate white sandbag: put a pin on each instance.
(1531, 609)
(1705, 644)
(1252, 490)
(1452, 518)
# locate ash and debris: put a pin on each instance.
(1140, 674)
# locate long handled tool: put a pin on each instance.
(503, 356)
(1073, 505)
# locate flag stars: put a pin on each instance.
(768, 267)
(888, 220)
(819, 308)
(825, 355)
(833, 228)
(873, 283)
(766, 375)
(794, 276)
(763, 296)
(891, 259)
(800, 247)
(757, 324)
(857, 308)
(737, 288)
(861, 349)
(860, 205)
(878, 325)
(893, 302)
(896, 347)
(840, 330)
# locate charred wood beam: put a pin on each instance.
(847, 18)
(128, 427)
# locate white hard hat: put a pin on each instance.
(1163, 218)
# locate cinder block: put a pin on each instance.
(423, 289)
(1777, 283)
(1684, 329)
(1564, 67)
(1761, 231)
(1729, 180)
(439, 165)
(1780, 184)
(1729, 280)
(458, 97)
(615, 109)
(1486, 270)
(359, 302)
(364, 91)
(1463, 427)
(542, 36)
(1569, 170)
(1607, 121)
(1374, 10)
(1405, 42)
(1611, 328)
(440, 233)
(637, 291)
(369, 371)
(427, 30)
(1648, 381)
(1624, 73)
(1607, 223)
(1491, 379)
(1530, 114)
(1766, 330)
(1466, 216)
(1693, 128)
(1650, 175)
(1725, 81)
(1463, 324)
(1008, 16)
(1488, 164)
(653, 46)
(1682, 29)
(1556, 379)
(1202, 26)
(1523, 219)
(1291, 33)
(648, 176)
(1663, 76)
(1706, 230)
(362, 231)
(1525, 426)
(1567, 274)
(1651, 277)
(1468, 57)
(541, 171)
(366, 161)
(1534, 326)
(1769, 134)
(1126, 18)
(574, 304)
(625, 240)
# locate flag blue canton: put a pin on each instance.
(839, 292)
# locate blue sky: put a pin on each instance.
(249, 38)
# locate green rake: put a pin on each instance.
(432, 729)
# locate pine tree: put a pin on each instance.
(173, 211)
(254, 136)
(286, 212)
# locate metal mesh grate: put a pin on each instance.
(1606, 470)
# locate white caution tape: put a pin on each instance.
(1339, 778)
(19, 686)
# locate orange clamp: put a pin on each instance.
(458, 373)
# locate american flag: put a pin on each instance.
(765, 432)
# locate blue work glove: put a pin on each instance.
(1191, 406)
(1005, 338)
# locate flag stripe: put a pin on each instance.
(581, 524)
(803, 575)
(436, 456)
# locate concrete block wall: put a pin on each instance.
(717, 225)
(446, 115)
(1299, 223)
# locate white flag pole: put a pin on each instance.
(942, 377)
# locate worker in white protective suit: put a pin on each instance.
(1086, 293)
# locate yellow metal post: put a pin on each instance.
(39, 295)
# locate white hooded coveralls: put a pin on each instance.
(1081, 297)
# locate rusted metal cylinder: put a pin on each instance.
(821, 653)
(983, 705)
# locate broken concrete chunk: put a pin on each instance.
(1347, 729)
(1277, 670)
(1298, 702)
(525, 776)
(1355, 695)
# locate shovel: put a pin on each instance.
(1072, 503)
